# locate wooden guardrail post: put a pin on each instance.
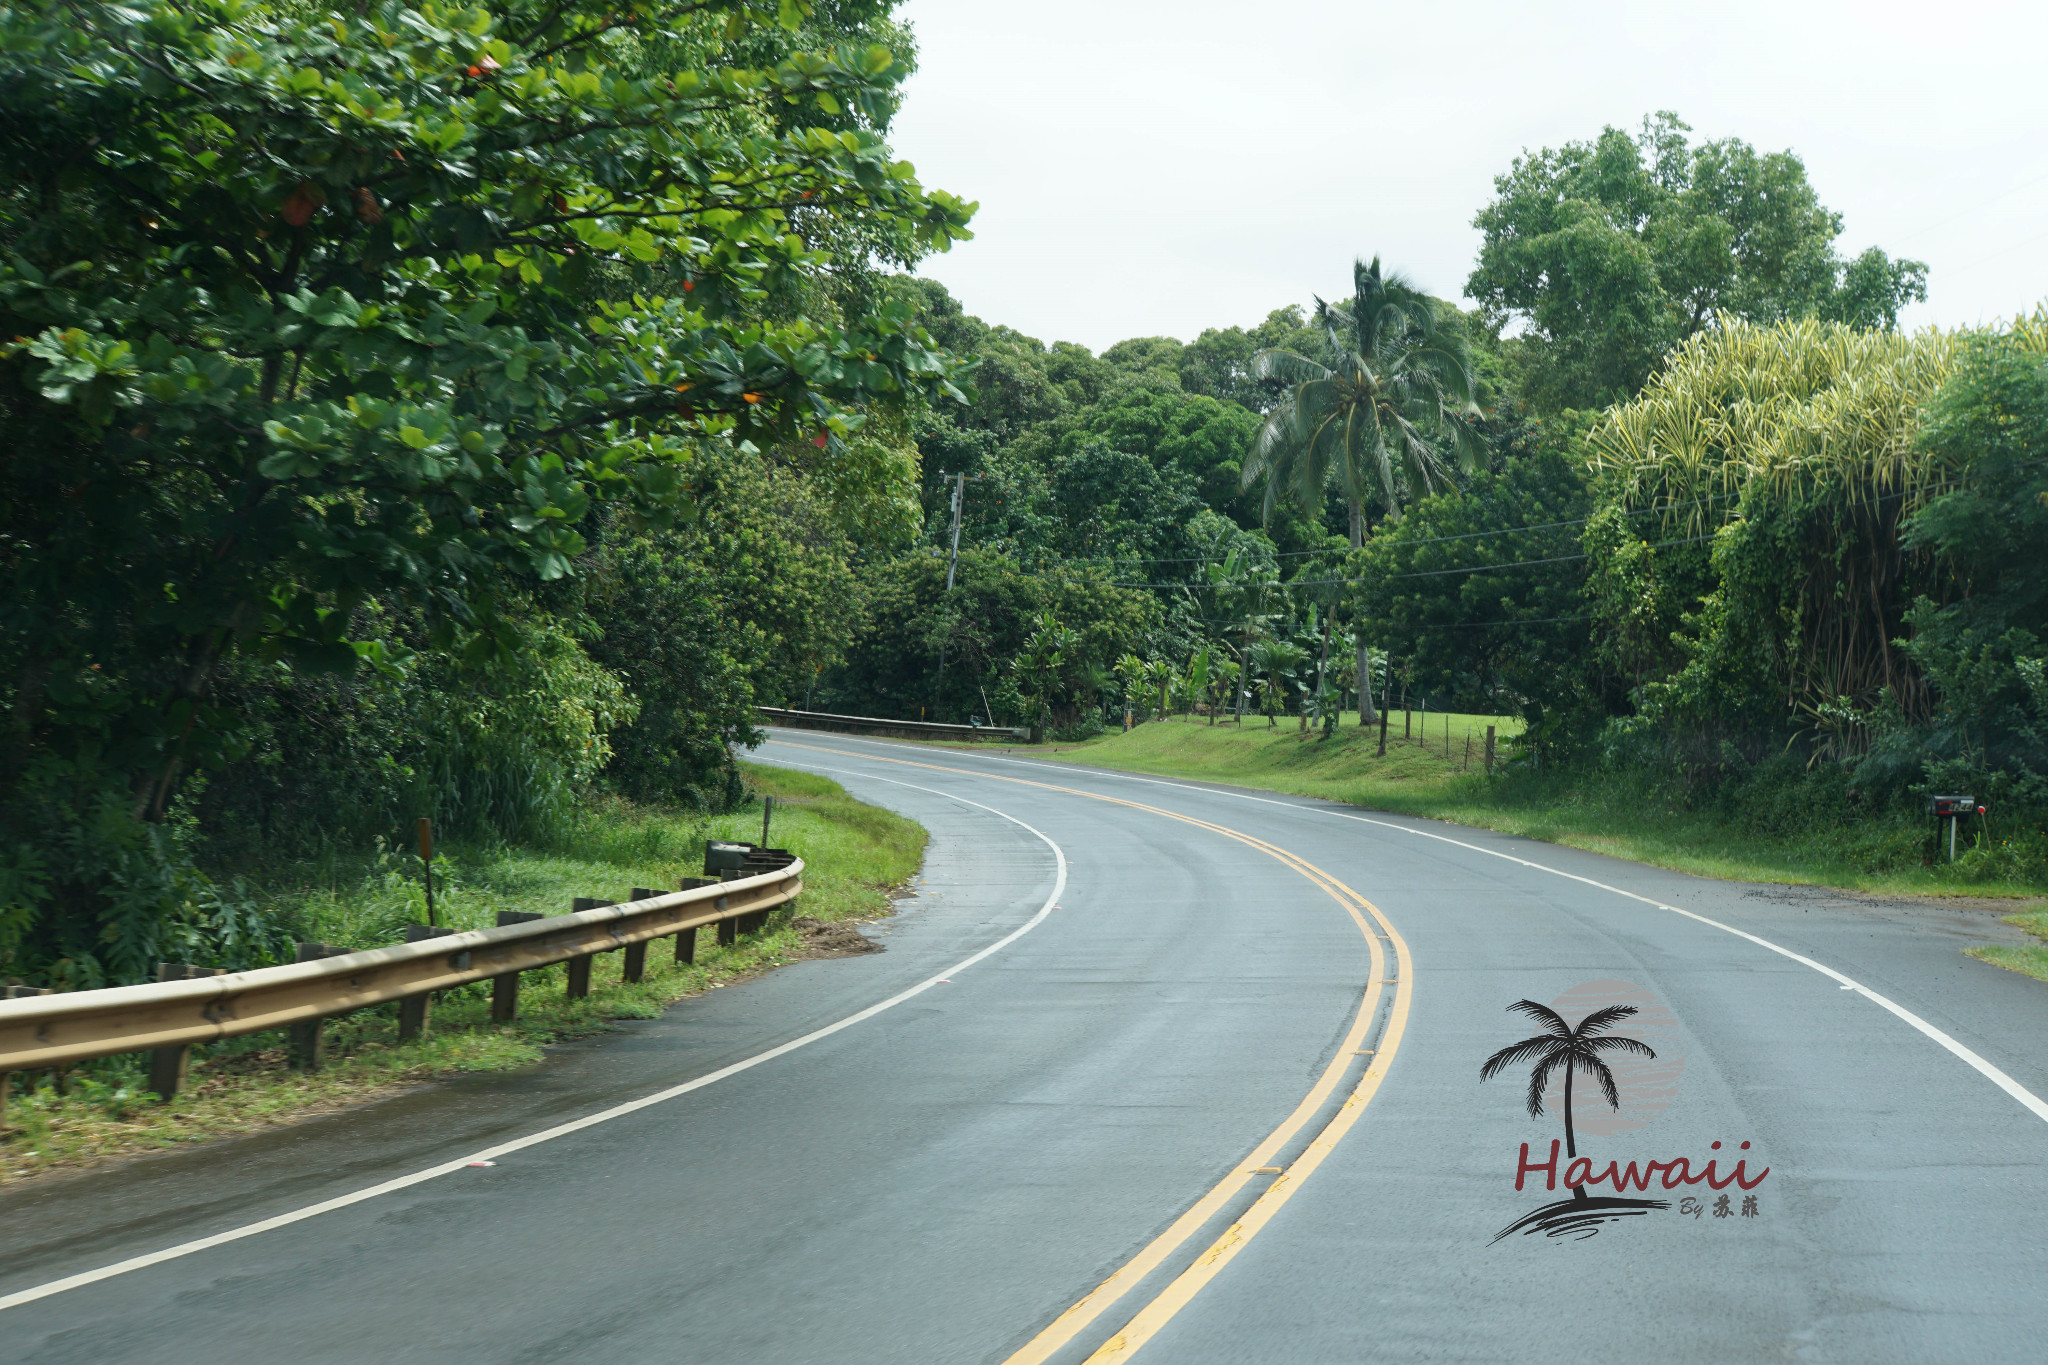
(505, 987)
(308, 1047)
(635, 969)
(579, 967)
(168, 1065)
(686, 940)
(7, 1077)
(65, 1029)
(414, 1010)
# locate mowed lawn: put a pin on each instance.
(1624, 818)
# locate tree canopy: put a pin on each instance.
(1612, 252)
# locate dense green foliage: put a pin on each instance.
(415, 408)
(1613, 251)
(1718, 532)
(360, 354)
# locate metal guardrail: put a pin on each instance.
(167, 1018)
(891, 729)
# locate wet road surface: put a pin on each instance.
(1178, 974)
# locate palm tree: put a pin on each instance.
(1384, 417)
(1274, 662)
(1160, 674)
(1562, 1045)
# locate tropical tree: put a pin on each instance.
(1781, 465)
(324, 319)
(1383, 420)
(1046, 670)
(1093, 682)
(1273, 663)
(1561, 1045)
(1131, 671)
(1194, 683)
(1160, 675)
(1611, 252)
(1223, 676)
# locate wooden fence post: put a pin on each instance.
(1489, 751)
(505, 987)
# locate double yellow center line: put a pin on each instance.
(1209, 1263)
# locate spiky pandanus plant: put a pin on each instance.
(1561, 1045)
(1383, 413)
(1794, 446)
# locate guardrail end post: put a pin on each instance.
(167, 1067)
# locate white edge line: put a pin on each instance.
(86, 1277)
(1997, 1077)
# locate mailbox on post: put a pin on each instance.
(1951, 809)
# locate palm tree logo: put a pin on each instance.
(1573, 1049)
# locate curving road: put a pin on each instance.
(1150, 1069)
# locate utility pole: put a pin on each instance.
(952, 562)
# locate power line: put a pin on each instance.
(1427, 540)
(1516, 563)
(1422, 573)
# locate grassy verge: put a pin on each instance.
(2029, 959)
(854, 855)
(1637, 820)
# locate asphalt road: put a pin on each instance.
(1184, 982)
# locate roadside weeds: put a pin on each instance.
(855, 856)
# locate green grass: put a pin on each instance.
(854, 855)
(2030, 959)
(1634, 819)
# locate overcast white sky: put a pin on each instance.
(1150, 168)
